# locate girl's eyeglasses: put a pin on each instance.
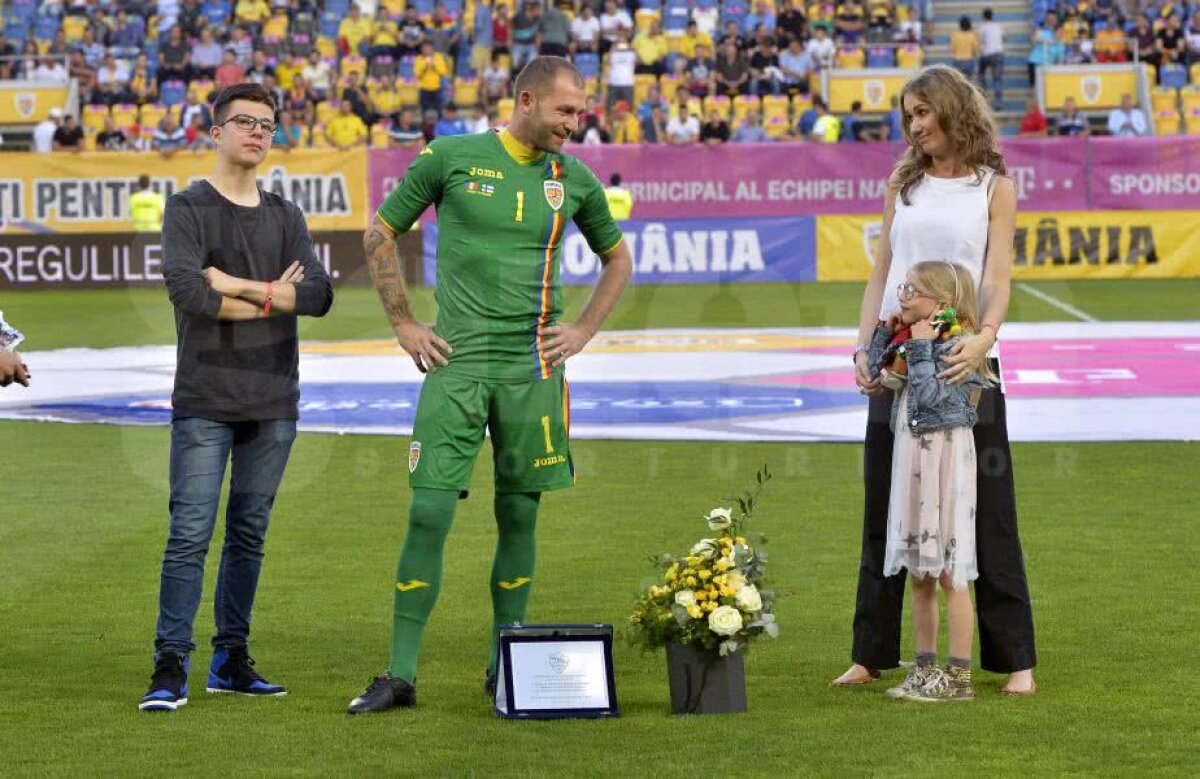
(907, 292)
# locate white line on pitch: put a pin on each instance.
(1059, 304)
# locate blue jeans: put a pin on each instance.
(200, 449)
(994, 63)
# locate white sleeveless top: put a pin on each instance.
(948, 220)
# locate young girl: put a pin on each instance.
(931, 514)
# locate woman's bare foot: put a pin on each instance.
(1020, 683)
(858, 674)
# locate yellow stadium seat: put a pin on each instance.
(1192, 120)
(504, 61)
(387, 101)
(379, 136)
(394, 7)
(1195, 73)
(674, 43)
(695, 108)
(1191, 98)
(1166, 122)
(202, 88)
(800, 104)
(94, 116)
(1163, 99)
(742, 105)
(326, 111)
(505, 107)
(327, 47)
(89, 141)
(910, 57)
(466, 91)
(276, 27)
(777, 126)
(319, 141)
(355, 64)
(408, 92)
(592, 86)
(641, 87)
(125, 115)
(668, 86)
(73, 27)
(644, 18)
(775, 105)
(851, 59)
(719, 103)
(152, 115)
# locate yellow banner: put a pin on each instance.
(874, 90)
(1093, 89)
(27, 104)
(89, 192)
(1065, 245)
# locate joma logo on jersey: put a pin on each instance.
(475, 188)
(487, 173)
(545, 462)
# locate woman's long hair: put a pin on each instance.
(964, 116)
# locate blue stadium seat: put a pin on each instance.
(45, 28)
(454, 7)
(424, 7)
(881, 58)
(675, 21)
(651, 5)
(217, 12)
(329, 24)
(588, 64)
(706, 4)
(463, 69)
(173, 92)
(405, 68)
(1174, 76)
(340, 8)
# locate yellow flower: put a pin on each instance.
(709, 605)
(719, 580)
(727, 591)
(741, 539)
(701, 594)
(691, 581)
(713, 593)
(705, 575)
(695, 612)
(722, 566)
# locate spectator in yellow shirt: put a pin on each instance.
(1110, 43)
(651, 48)
(252, 14)
(353, 30)
(691, 38)
(287, 70)
(430, 69)
(964, 48)
(624, 127)
(386, 36)
(346, 130)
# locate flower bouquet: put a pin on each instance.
(710, 603)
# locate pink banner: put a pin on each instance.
(1161, 174)
(802, 179)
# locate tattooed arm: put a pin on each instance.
(427, 350)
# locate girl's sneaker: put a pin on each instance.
(945, 684)
(917, 676)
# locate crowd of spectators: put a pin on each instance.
(401, 72)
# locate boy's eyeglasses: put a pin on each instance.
(247, 123)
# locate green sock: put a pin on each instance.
(512, 570)
(419, 575)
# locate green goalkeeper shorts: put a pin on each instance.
(529, 423)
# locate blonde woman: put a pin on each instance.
(948, 197)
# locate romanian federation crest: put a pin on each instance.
(1090, 87)
(559, 662)
(25, 103)
(554, 193)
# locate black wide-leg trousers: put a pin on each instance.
(1001, 591)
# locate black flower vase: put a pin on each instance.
(703, 682)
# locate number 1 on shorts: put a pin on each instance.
(546, 430)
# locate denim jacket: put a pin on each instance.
(932, 404)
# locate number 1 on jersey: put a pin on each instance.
(520, 217)
(546, 430)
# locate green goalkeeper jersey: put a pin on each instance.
(500, 230)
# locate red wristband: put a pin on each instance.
(270, 296)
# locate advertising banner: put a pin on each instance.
(690, 251)
(1145, 173)
(89, 192)
(28, 102)
(1047, 245)
(1094, 87)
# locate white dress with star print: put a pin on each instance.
(931, 509)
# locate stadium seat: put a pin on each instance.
(505, 108)
(881, 58)
(405, 68)
(173, 92)
(641, 87)
(742, 105)
(776, 126)
(125, 115)
(1195, 73)
(588, 64)
(329, 25)
(1192, 120)
(644, 18)
(1163, 99)
(217, 12)
(1166, 122)
(721, 104)
(73, 27)
(202, 88)
(379, 135)
(851, 59)
(277, 26)
(354, 64)
(800, 104)
(668, 86)
(327, 47)
(45, 28)
(1174, 76)
(304, 24)
(94, 116)
(151, 115)
(327, 111)
(466, 91)
(382, 67)
(910, 57)
(776, 105)
(408, 92)
(1190, 96)
(318, 139)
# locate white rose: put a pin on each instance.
(685, 598)
(749, 599)
(725, 621)
(735, 579)
(706, 549)
(719, 519)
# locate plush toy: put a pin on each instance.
(894, 364)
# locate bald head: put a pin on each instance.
(542, 72)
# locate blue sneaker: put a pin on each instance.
(168, 686)
(232, 670)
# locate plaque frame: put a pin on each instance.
(504, 700)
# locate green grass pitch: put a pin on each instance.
(1110, 532)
